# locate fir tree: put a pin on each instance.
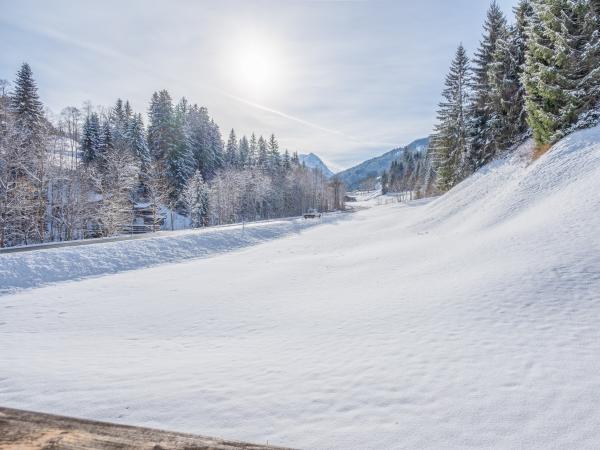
(482, 139)
(231, 150)
(552, 71)
(253, 150)
(137, 141)
(244, 152)
(161, 128)
(589, 63)
(106, 142)
(274, 157)
(263, 155)
(90, 139)
(27, 107)
(195, 200)
(506, 98)
(450, 141)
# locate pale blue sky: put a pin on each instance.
(347, 80)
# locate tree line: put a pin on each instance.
(101, 171)
(537, 77)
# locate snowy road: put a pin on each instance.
(469, 322)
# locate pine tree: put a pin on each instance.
(231, 150)
(263, 155)
(450, 141)
(90, 139)
(195, 200)
(552, 71)
(106, 143)
(506, 98)
(482, 139)
(27, 107)
(119, 125)
(136, 140)
(161, 128)
(216, 147)
(589, 63)
(244, 152)
(253, 150)
(274, 157)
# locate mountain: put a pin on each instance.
(314, 162)
(373, 168)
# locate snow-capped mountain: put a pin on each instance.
(314, 162)
(374, 167)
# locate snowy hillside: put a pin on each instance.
(314, 162)
(470, 321)
(375, 167)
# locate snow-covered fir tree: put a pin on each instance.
(506, 97)
(450, 140)
(231, 150)
(244, 159)
(552, 70)
(194, 197)
(90, 138)
(27, 108)
(483, 143)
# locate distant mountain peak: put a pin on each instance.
(314, 162)
(374, 167)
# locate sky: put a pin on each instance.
(347, 80)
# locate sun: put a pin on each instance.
(256, 67)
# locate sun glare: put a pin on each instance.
(256, 68)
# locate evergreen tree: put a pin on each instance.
(263, 155)
(137, 141)
(162, 136)
(128, 113)
(274, 157)
(589, 63)
(195, 200)
(450, 141)
(551, 77)
(180, 159)
(90, 139)
(482, 139)
(253, 150)
(106, 142)
(119, 125)
(28, 109)
(231, 150)
(506, 99)
(216, 146)
(244, 152)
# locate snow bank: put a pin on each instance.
(556, 187)
(467, 322)
(33, 269)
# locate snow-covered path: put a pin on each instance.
(468, 322)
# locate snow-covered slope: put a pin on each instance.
(466, 322)
(313, 161)
(375, 167)
(36, 268)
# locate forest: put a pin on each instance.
(538, 77)
(96, 172)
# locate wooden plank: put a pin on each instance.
(26, 430)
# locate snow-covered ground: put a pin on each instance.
(467, 322)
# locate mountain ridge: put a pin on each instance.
(314, 162)
(374, 167)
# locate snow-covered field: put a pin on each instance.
(468, 322)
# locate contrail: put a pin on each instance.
(140, 64)
(293, 118)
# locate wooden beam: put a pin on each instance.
(26, 430)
